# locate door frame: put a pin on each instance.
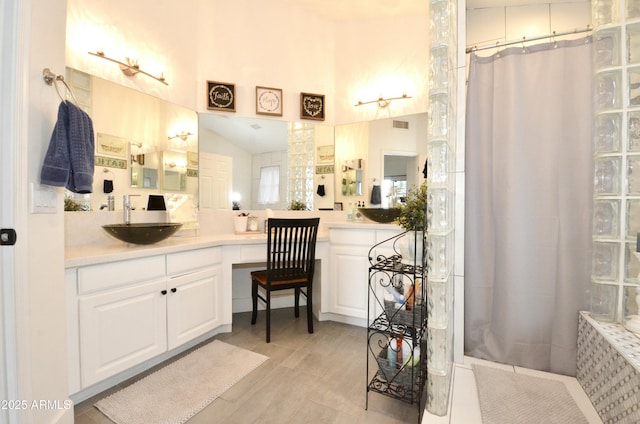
(14, 62)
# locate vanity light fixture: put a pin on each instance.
(383, 102)
(130, 68)
(183, 135)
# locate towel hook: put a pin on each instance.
(52, 79)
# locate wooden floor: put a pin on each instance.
(309, 378)
(321, 378)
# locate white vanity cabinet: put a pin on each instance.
(349, 271)
(124, 313)
(121, 316)
(193, 295)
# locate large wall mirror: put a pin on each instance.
(389, 153)
(252, 149)
(144, 145)
(270, 163)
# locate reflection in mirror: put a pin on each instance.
(174, 165)
(257, 151)
(398, 172)
(133, 129)
(352, 178)
(400, 139)
(144, 167)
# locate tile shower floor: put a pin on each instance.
(331, 364)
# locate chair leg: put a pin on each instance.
(309, 311)
(254, 299)
(297, 303)
(268, 316)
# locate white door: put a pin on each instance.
(215, 178)
(193, 305)
(13, 79)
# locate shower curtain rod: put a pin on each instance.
(525, 39)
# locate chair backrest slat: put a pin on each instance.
(291, 248)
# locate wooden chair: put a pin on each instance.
(291, 246)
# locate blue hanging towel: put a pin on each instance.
(69, 160)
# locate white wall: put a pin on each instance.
(45, 356)
(251, 43)
(381, 57)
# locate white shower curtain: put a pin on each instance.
(528, 204)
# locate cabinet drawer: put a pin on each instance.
(117, 274)
(355, 237)
(184, 262)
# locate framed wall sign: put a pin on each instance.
(312, 106)
(111, 145)
(221, 96)
(269, 101)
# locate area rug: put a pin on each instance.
(507, 397)
(180, 390)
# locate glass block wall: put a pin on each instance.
(441, 139)
(616, 144)
(301, 147)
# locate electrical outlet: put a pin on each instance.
(43, 199)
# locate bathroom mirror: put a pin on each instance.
(392, 150)
(255, 145)
(135, 132)
(250, 144)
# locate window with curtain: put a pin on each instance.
(269, 185)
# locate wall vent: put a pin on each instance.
(401, 124)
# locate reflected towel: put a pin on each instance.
(69, 160)
(321, 191)
(376, 197)
(107, 186)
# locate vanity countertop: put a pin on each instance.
(114, 250)
(111, 251)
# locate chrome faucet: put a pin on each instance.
(126, 207)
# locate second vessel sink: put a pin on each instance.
(383, 216)
(142, 233)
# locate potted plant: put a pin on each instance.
(412, 219)
(297, 205)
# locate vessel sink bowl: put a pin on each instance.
(142, 233)
(383, 216)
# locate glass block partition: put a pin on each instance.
(616, 145)
(301, 156)
(441, 139)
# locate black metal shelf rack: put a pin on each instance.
(397, 320)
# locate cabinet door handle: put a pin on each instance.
(163, 292)
(173, 290)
